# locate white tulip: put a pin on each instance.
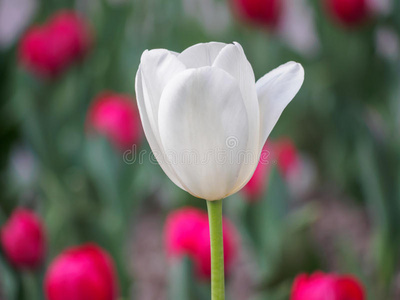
(205, 117)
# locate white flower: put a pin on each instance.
(205, 117)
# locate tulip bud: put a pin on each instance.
(49, 49)
(348, 12)
(298, 172)
(287, 156)
(320, 286)
(256, 186)
(264, 13)
(75, 31)
(41, 54)
(187, 232)
(23, 239)
(116, 117)
(82, 273)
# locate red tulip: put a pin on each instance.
(23, 239)
(287, 156)
(265, 13)
(258, 183)
(73, 29)
(348, 12)
(49, 49)
(41, 54)
(116, 117)
(82, 273)
(187, 232)
(320, 286)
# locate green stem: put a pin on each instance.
(217, 250)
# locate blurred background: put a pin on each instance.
(328, 199)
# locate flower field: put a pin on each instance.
(243, 149)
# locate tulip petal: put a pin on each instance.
(158, 67)
(233, 60)
(152, 136)
(275, 90)
(204, 130)
(201, 55)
